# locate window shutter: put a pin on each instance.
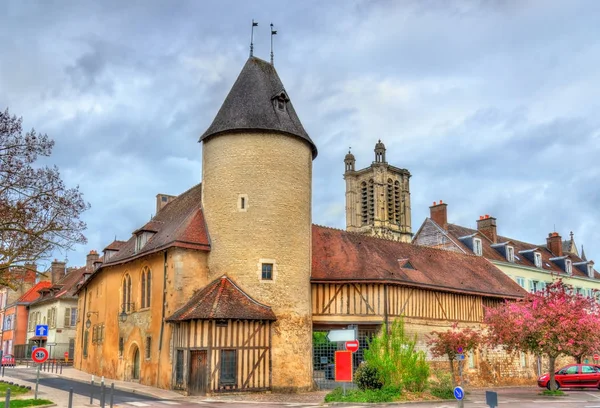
(67, 317)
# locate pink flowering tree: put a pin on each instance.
(553, 322)
(448, 342)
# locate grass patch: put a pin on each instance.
(26, 403)
(14, 389)
(355, 395)
(554, 393)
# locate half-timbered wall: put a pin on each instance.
(380, 300)
(251, 341)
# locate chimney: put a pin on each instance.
(30, 272)
(162, 200)
(439, 214)
(554, 244)
(487, 226)
(58, 270)
(90, 259)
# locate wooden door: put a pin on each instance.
(136, 364)
(198, 372)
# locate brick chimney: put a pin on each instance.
(30, 272)
(57, 270)
(554, 244)
(487, 226)
(162, 200)
(439, 214)
(90, 259)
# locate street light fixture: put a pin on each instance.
(123, 315)
(88, 322)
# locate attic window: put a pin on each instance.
(280, 101)
(141, 239)
(568, 267)
(510, 254)
(537, 260)
(477, 247)
(590, 270)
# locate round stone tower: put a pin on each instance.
(256, 196)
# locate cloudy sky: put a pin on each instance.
(493, 105)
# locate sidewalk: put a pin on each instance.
(61, 397)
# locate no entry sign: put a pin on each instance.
(596, 357)
(352, 346)
(39, 355)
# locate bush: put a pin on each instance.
(442, 387)
(366, 377)
(396, 359)
(388, 394)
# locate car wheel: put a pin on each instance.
(558, 385)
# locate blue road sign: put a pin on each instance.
(41, 330)
(459, 393)
(460, 356)
(33, 348)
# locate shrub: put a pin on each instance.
(388, 394)
(441, 386)
(396, 359)
(366, 377)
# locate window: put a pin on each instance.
(121, 346)
(537, 259)
(126, 294)
(85, 343)
(163, 199)
(243, 202)
(8, 323)
(51, 317)
(523, 359)
(534, 286)
(70, 316)
(267, 271)
(148, 348)
(471, 356)
(568, 267)
(521, 282)
(228, 363)
(586, 369)
(98, 333)
(179, 369)
(510, 254)
(477, 247)
(590, 270)
(146, 287)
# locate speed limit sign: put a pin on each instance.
(39, 355)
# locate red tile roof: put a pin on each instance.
(32, 294)
(340, 256)
(65, 287)
(115, 245)
(222, 299)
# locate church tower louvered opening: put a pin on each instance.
(378, 198)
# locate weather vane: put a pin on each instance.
(273, 32)
(254, 24)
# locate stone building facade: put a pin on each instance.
(378, 198)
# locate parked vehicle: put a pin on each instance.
(574, 376)
(8, 360)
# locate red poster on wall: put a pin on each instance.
(343, 366)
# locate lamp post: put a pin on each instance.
(88, 322)
(123, 315)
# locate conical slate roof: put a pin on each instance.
(252, 105)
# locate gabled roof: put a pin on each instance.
(455, 231)
(222, 299)
(249, 105)
(180, 224)
(340, 256)
(65, 287)
(32, 294)
(115, 245)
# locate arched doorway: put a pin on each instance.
(135, 373)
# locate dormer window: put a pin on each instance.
(568, 267)
(538, 260)
(510, 254)
(590, 270)
(141, 239)
(477, 249)
(280, 100)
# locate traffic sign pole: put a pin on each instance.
(37, 380)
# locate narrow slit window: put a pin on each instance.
(243, 202)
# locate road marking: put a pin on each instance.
(170, 402)
(593, 395)
(138, 404)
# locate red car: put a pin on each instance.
(574, 376)
(8, 360)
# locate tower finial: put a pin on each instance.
(254, 24)
(273, 32)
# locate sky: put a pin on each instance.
(491, 105)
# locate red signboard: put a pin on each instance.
(596, 357)
(343, 366)
(39, 355)
(352, 346)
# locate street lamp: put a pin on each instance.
(88, 322)
(123, 315)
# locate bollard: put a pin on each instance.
(92, 392)
(102, 395)
(70, 397)
(61, 369)
(7, 400)
(2, 371)
(52, 369)
(112, 391)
